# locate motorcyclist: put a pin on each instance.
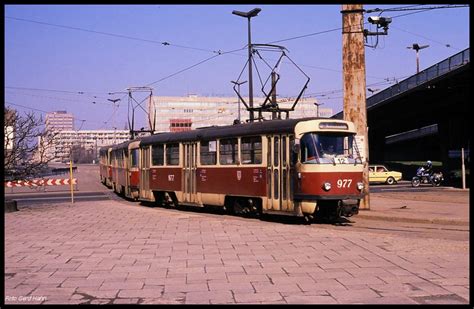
(425, 174)
(428, 169)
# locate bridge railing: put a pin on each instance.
(428, 74)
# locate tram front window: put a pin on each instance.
(330, 147)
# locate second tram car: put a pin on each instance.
(124, 165)
(105, 166)
(300, 167)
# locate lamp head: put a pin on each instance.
(248, 14)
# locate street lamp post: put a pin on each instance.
(249, 15)
(115, 131)
(317, 108)
(238, 89)
(417, 48)
(96, 156)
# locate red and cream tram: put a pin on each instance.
(302, 167)
(105, 166)
(125, 173)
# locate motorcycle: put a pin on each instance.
(421, 177)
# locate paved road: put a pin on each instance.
(117, 251)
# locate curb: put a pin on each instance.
(11, 206)
(414, 220)
(16, 194)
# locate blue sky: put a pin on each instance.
(113, 47)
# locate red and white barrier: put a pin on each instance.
(40, 182)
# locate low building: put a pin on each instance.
(193, 111)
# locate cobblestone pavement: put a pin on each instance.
(111, 252)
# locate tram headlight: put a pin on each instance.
(360, 186)
(327, 186)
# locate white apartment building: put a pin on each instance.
(89, 139)
(59, 121)
(172, 113)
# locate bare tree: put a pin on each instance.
(28, 145)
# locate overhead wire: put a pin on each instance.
(40, 110)
(218, 53)
(192, 66)
(165, 43)
(411, 8)
(27, 107)
(386, 10)
(56, 98)
(429, 39)
(52, 90)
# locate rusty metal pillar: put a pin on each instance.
(353, 67)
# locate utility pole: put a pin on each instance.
(353, 66)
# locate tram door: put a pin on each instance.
(190, 158)
(126, 171)
(278, 173)
(145, 173)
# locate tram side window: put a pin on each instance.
(208, 152)
(157, 155)
(134, 158)
(120, 159)
(251, 150)
(293, 155)
(172, 154)
(228, 151)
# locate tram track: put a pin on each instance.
(418, 230)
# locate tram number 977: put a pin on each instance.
(344, 183)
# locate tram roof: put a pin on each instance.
(208, 133)
(121, 145)
(105, 149)
(124, 144)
